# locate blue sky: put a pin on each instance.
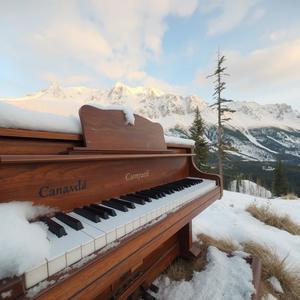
(167, 44)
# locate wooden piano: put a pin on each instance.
(132, 195)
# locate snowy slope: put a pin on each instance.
(228, 278)
(259, 132)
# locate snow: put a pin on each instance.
(12, 116)
(227, 218)
(128, 112)
(31, 293)
(253, 140)
(226, 278)
(275, 284)
(22, 244)
(230, 277)
(250, 188)
(269, 297)
(7, 294)
(177, 140)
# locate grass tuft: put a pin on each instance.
(182, 269)
(290, 196)
(265, 214)
(225, 245)
(272, 265)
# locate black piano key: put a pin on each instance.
(72, 222)
(153, 288)
(88, 214)
(149, 194)
(98, 211)
(146, 198)
(172, 188)
(54, 227)
(146, 296)
(133, 199)
(109, 210)
(160, 193)
(124, 202)
(115, 205)
(161, 189)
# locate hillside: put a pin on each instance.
(270, 130)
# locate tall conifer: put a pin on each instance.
(280, 183)
(222, 109)
(196, 133)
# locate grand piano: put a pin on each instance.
(124, 203)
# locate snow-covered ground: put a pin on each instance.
(224, 278)
(229, 278)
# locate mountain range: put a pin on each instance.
(258, 132)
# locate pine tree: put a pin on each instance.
(222, 109)
(280, 183)
(196, 132)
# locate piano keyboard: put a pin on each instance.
(79, 233)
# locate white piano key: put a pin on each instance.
(143, 220)
(64, 252)
(136, 223)
(85, 241)
(56, 260)
(36, 274)
(110, 232)
(98, 235)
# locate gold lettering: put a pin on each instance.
(136, 176)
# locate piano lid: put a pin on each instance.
(108, 130)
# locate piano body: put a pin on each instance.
(128, 199)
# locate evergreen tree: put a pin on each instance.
(222, 109)
(280, 183)
(197, 133)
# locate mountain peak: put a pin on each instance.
(54, 90)
(138, 90)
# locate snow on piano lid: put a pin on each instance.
(15, 117)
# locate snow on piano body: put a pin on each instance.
(155, 197)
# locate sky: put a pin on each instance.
(171, 45)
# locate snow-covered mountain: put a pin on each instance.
(259, 132)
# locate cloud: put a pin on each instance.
(258, 14)
(267, 67)
(107, 39)
(270, 73)
(230, 13)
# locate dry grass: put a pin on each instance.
(266, 215)
(290, 196)
(181, 269)
(272, 265)
(225, 245)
